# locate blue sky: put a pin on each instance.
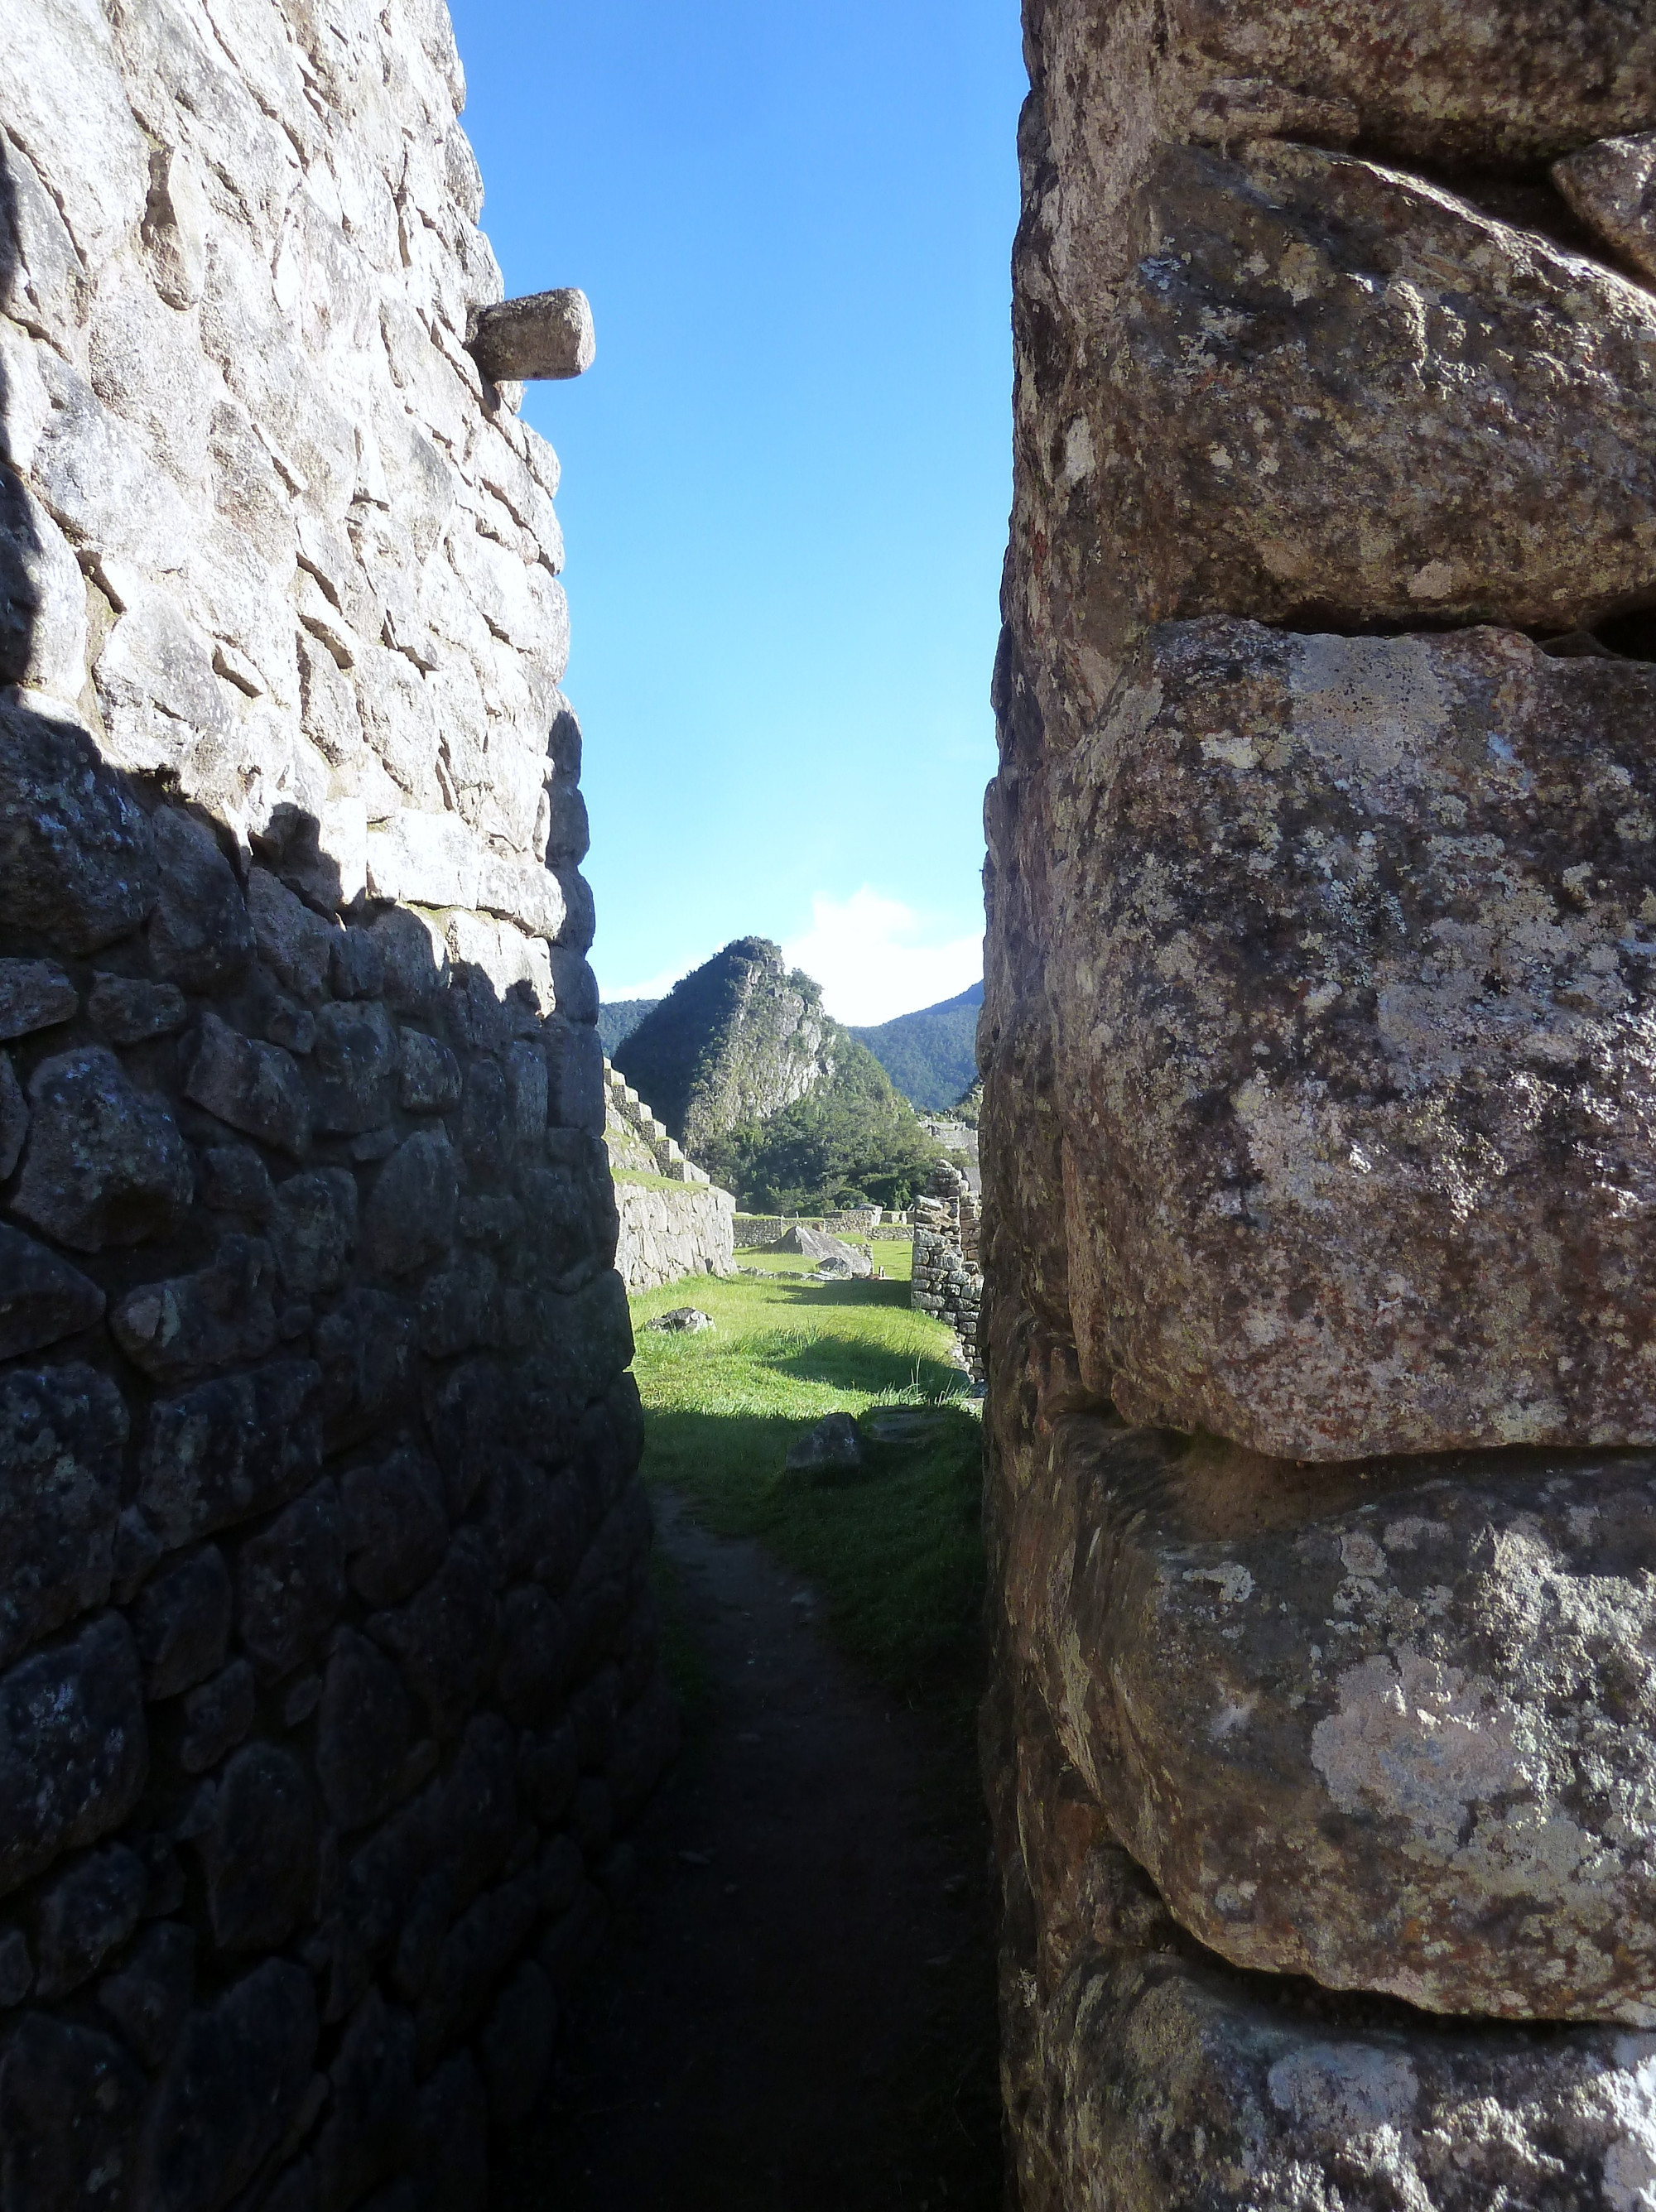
(786, 479)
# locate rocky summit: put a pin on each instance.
(734, 1041)
(1316, 1129)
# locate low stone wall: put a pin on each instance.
(947, 1282)
(669, 1231)
(756, 1230)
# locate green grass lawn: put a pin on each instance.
(898, 1554)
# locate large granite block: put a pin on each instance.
(1351, 969)
(1388, 1725)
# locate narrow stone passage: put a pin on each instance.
(797, 2010)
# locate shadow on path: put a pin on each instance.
(796, 2011)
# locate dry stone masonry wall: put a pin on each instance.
(947, 1282)
(1319, 1181)
(675, 1220)
(327, 1663)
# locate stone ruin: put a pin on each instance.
(677, 1222)
(327, 1658)
(1320, 1186)
(948, 1280)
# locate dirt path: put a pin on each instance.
(795, 2010)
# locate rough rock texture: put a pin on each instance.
(1318, 1111)
(669, 1231)
(317, 1495)
(1351, 946)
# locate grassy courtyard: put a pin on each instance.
(897, 1554)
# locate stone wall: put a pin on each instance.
(673, 1222)
(327, 1661)
(1319, 1187)
(670, 1230)
(948, 1280)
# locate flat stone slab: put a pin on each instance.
(1392, 1727)
(1351, 969)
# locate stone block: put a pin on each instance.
(87, 1911)
(355, 1058)
(484, 1132)
(234, 1180)
(535, 1657)
(364, 1729)
(365, 2137)
(181, 1623)
(459, 1307)
(1386, 1725)
(14, 1117)
(104, 1163)
(16, 1968)
(430, 1078)
(574, 1069)
(238, 2077)
(545, 334)
(150, 1998)
(1608, 185)
(416, 961)
(359, 963)
(1186, 2088)
(60, 1469)
(35, 994)
(42, 1298)
(452, 2138)
(77, 862)
(258, 1850)
(217, 1716)
(74, 1753)
(70, 2101)
(410, 1216)
(131, 1011)
(474, 1958)
(366, 1346)
(1323, 320)
(200, 935)
(220, 1315)
(445, 1635)
(1349, 978)
(295, 944)
(516, 2045)
(549, 1767)
(475, 1819)
(290, 1583)
(396, 1531)
(313, 1230)
(255, 1087)
(230, 1449)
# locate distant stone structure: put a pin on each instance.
(1320, 1226)
(328, 1665)
(948, 1280)
(677, 1222)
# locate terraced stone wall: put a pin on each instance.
(1320, 1179)
(327, 1661)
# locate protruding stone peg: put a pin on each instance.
(545, 334)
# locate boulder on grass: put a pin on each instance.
(831, 1452)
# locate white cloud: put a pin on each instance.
(876, 958)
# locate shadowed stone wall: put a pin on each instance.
(327, 1661)
(1319, 1181)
